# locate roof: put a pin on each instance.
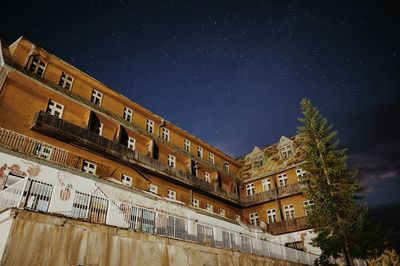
(273, 162)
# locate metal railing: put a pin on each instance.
(39, 196)
(52, 125)
(27, 145)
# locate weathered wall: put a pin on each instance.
(40, 239)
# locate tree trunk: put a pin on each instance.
(348, 258)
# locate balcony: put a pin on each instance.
(287, 226)
(30, 146)
(67, 132)
(279, 192)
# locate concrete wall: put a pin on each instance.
(41, 239)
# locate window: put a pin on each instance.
(289, 212)
(209, 207)
(150, 126)
(37, 66)
(271, 216)
(89, 167)
(282, 180)
(222, 212)
(207, 177)
(266, 184)
(211, 158)
(165, 133)
(66, 81)
(186, 145)
(225, 166)
(250, 189)
(195, 203)
(131, 144)
(126, 180)
(254, 218)
(171, 160)
(286, 151)
(171, 194)
(43, 151)
(237, 216)
(299, 245)
(300, 174)
(100, 130)
(258, 162)
(307, 205)
(55, 108)
(199, 152)
(153, 188)
(96, 97)
(128, 114)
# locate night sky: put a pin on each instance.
(233, 72)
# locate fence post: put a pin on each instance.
(22, 204)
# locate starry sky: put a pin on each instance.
(233, 72)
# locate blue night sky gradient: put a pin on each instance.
(233, 73)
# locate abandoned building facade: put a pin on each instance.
(71, 145)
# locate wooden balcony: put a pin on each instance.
(67, 132)
(287, 226)
(279, 192)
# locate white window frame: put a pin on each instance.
(131, 144)
(126, 180)
(271, 216)
(250, 189)
(38, 65)
(207, 177)
(66, 81)
(195, 203)
(307, 204)
(282, 180)
(186, 145)
(266, 184)
(289, 212)
(55, 108)
(171, 194)
(258, 161)
(211, 158)
(165, 133)
(171, 161)
(253, 218)
(300, 173)
(43, 151)
(128, 114)
(89, 167)
(209, 207)
(286, 151)
(199, 151)
(101, 129)
(150, 126)
(153, 188)
(225, 166)
(97, 97)
(222, 212)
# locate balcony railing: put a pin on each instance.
(287, 226)
(34, 195)
(33, 147)
(272, 194)
(53, 126)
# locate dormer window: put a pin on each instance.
(286, 151)
(258, 162)
(37, 66)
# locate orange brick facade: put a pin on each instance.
(223, 181)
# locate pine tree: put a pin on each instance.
(337, 215)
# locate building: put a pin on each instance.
(72, 146)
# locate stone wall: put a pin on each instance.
(42, 239)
